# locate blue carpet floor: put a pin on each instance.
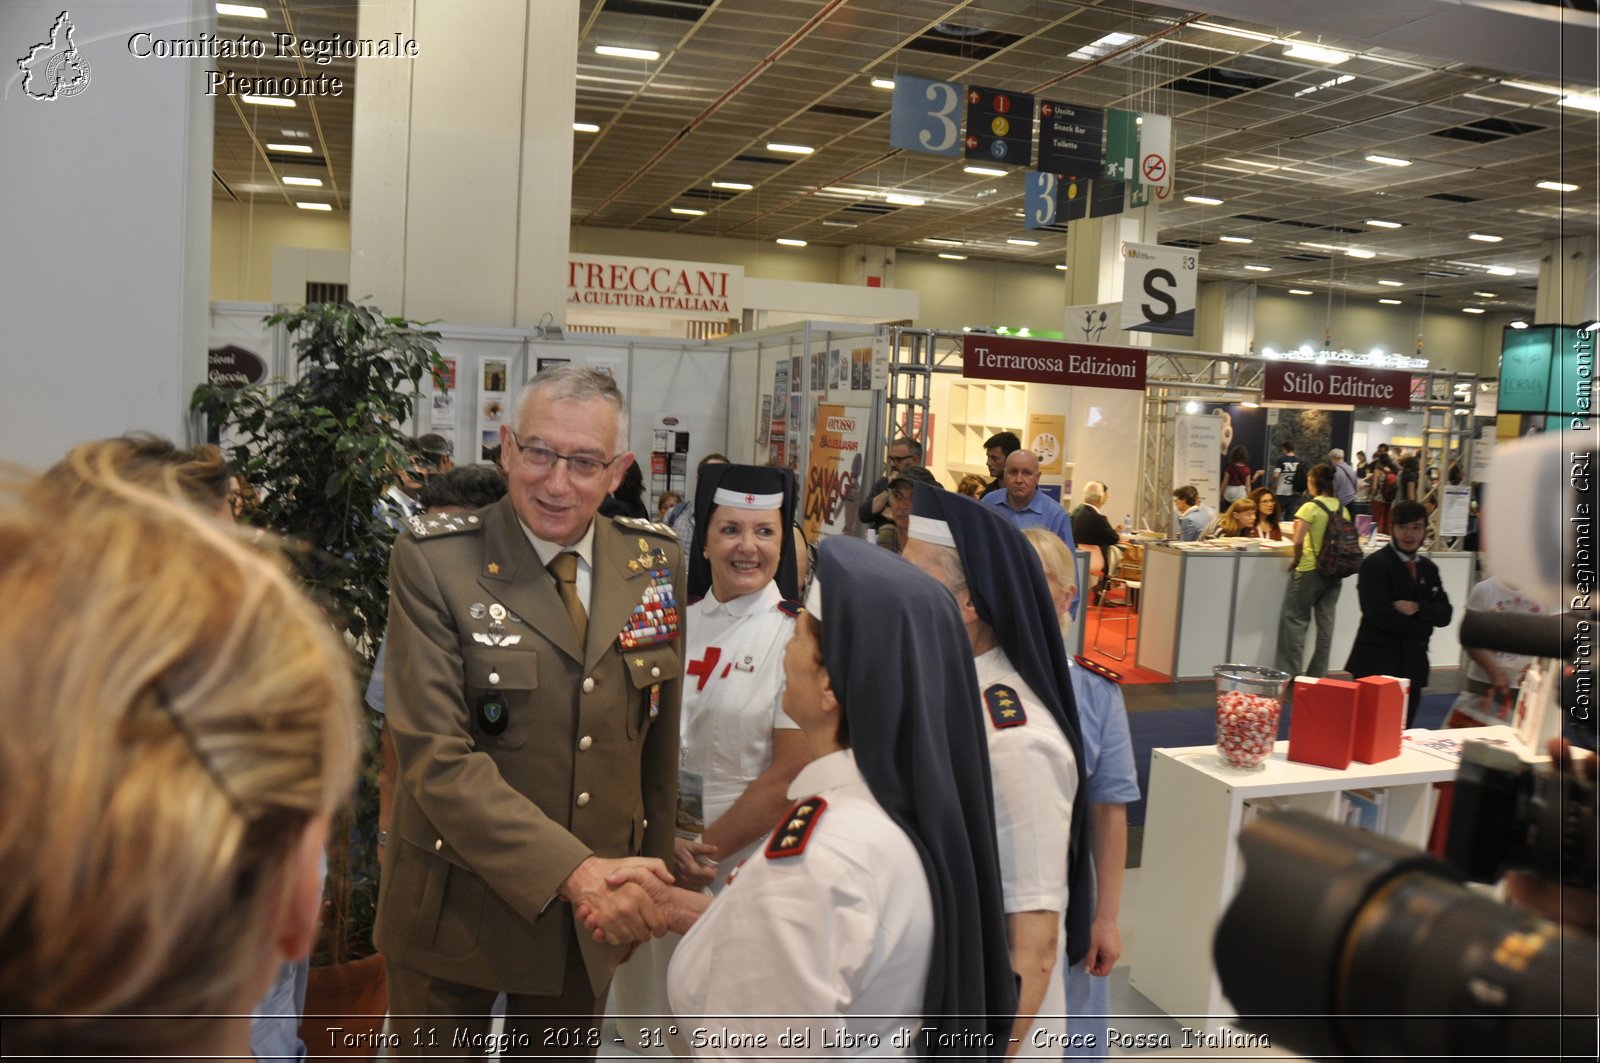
(1175, 728)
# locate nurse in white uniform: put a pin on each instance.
(1031, 723)
(870, 923)
(739, 749)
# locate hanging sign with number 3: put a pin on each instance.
(926, 116)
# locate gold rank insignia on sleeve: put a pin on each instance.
(794, 830)
(1005, 708)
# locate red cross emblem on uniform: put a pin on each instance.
(705, 665)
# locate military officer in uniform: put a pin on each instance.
(533, 687)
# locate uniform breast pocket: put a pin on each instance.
(648, 669)
(499, 686)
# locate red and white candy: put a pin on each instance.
(1247, 727)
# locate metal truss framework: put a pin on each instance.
(1444, 398)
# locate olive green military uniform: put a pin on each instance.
(486, 826)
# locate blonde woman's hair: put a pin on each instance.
(176, 714)
(197, 474)
(1229, 524)
(1055, 557)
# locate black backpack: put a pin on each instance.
(1340, 554)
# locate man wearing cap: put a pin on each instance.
(903, 454)
(1024, 504)
(894, 535)
(1034, 743)
(532, 687)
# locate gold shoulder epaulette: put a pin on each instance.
(640, 524)
(423, 526)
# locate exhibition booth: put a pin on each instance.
(825, 398)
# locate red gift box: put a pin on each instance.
(1322, 722)
(1380, 713)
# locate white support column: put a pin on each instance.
(1568, 290)
(463, 162)
(106, 226)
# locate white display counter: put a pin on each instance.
(1191, 868)
(1203, 608)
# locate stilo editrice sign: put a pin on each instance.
(1336, 385)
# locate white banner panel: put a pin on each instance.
(1158, 289)
(1197, 442)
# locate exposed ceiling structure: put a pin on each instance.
(1283, 141)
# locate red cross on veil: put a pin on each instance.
(749, 500)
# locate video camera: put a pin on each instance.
(1341, 942)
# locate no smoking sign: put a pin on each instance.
(1155, 169)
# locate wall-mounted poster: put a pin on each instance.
(492, 383)
(442, 402)
(764, 428)
(838, 458)
(880, 363)
(780, 386)
(1046, 437)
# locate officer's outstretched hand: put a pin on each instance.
(619, 914)
(680, 907)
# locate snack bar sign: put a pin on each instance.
(654, 286)
(1336, 385)
(1084, 365)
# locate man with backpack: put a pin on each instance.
(1288, 478)
(1402, 601)
(1326, 551)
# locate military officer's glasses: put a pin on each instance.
(544, 459)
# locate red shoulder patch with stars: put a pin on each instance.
(795, 829)
(1005, 708)
(788, 607)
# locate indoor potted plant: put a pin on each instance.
(319, 452)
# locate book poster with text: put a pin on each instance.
(838, 449)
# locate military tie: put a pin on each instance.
(564, 567)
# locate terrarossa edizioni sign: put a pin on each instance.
(654, 286)
(1084, 365)
(1336, 385)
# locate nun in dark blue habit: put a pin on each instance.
(1030, 722)
(875, 906)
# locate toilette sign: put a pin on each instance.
(1336, 385)
(654, 286)
(1084, 365)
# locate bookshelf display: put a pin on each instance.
(979, 409)
(1190, 868)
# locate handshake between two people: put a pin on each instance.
(629, 900)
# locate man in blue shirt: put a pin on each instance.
(1192, 516)
(1022, 502)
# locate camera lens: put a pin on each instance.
(1343, 942)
